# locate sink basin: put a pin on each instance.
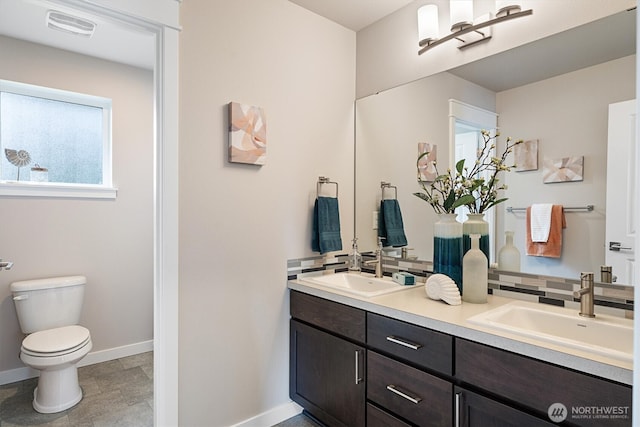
(604, 335)
(358, 284)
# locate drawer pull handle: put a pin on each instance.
(457, 409)
(358, 377)
(403, 394)
(405, 343)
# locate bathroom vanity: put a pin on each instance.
(404, 360)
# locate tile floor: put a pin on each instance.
(117, 393)
(300, 420)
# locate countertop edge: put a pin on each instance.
(538, 350)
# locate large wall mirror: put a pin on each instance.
(555, 91)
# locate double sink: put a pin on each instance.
(603, 335)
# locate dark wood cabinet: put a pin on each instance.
(474, 410)
(327, 364)
(352, 368)
(327, 376)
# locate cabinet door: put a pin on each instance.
(327, 376)
(474, 410)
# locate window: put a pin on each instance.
(54, 142)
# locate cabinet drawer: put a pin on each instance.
(538, 385)
(376, 417)
(474, 410)
(408, 392)
(424, 347)
(331, 316)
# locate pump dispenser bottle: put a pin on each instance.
(355, 259)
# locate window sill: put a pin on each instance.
(46, 189)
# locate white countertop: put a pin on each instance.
(413, 306)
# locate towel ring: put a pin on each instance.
(384, 185)
(325, 180)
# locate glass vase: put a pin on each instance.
(509, 255)
(447, 248)
(475, 273)
(475, 224)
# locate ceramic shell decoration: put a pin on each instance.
(18, 158)
(247, 134)
(442, 287)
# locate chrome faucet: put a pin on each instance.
(6, 265)
(585, 294)
(378, 260)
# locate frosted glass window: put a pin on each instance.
(64, 132)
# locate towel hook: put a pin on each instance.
(325, 180)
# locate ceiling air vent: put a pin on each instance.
(70, 24)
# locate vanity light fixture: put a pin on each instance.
(462, 29)
(61, 21)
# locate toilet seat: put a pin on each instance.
(56, 342)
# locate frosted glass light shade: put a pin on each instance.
(461, 13)
(428, 24)
(505, 7)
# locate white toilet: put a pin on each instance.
(49, 310)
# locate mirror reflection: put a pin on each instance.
(562, 105)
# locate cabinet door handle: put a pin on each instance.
(457, 409)
(403, 342)
(357, 368)
(403, 394)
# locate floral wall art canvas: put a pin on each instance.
(247, 134)
(427, 164)
(566, 169)
(526, 156)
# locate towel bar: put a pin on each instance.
(384, 185)
(325, 180)
(587, 208)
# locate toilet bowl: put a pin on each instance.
(48, 310)
(55, 353)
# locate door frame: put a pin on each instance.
(161, 21)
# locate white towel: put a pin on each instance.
(540, 222)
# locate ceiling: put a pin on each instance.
(113, 41)
(353, 14)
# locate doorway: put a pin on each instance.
(160, 22)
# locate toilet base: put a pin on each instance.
(57, 390)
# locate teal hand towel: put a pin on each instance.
(390, 225)
(325, 236)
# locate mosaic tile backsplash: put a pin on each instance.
(616, 300)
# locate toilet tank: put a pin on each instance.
(48, 303)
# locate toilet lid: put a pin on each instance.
(52, 342)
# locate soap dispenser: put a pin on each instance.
(355, 258)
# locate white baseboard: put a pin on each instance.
(24, 373)
(272, 416)
(116, 353)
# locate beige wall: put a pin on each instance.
(240, 223)
(388, 49)
(109, 241)
(568, 115)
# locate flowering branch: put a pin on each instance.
(476, 188)
(482, 181)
